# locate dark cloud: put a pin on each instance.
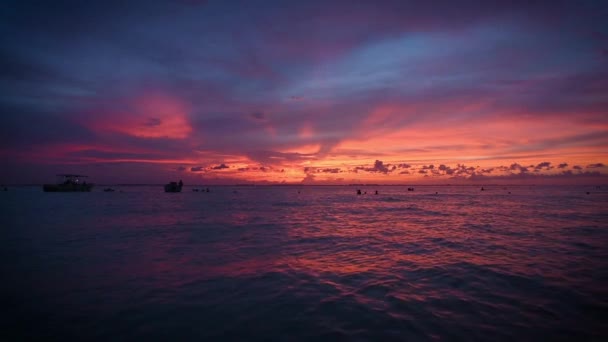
(378, 167)
(567, 175)
(517, 167)
(577, 167)
(220, 167)
(543, 165)
(22, 128)
(329, 170)
(593, 166)
(562, 166)
(258, 115)
(197, 169)
(16, 68)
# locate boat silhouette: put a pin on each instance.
(174, 187)
(68, 183)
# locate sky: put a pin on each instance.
(312, 92)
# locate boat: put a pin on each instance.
(69, 183)
(174, 187)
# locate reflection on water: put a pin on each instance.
(271, 263)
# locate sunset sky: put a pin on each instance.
(315, 92)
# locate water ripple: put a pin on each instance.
(308, 264)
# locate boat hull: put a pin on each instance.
(173, 187)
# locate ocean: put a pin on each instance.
(305, 263)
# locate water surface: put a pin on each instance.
(306, 263)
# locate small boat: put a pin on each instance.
(68, 183)
(174, 187)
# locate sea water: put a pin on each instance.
(307, 263)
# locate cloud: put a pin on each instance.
(563, 177)
(258, 115)
(594, 166)
(329, 170)
(220, 167)
(275, 157)
(378, 167)
(370, 81)
(197, 169)
(517, 167)
(543, 165)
